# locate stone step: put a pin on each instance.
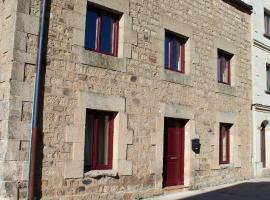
(266, 173)
(175, 189)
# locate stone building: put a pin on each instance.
(261, 87)
(130, 86)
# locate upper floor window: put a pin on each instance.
(174, 52)
(224, 143)
(268, 77)
(224, 67)
(101, 31)
(98, 151)
(267, 23)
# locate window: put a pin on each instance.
(174, 52)
(98, 140)
(224, 67)
(224, 143)
(267, 23)
(268, 77)
(101, 31)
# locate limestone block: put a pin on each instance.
(78, 151)
(22, 89)
(75, 134)
(117, 5)
(18, 71)
(23, 6)
(20, 40)
(225, 45)
(101, 102)
(78, 37)
(8, 42)
(125, 168)
(75, 20)
(19, 130)
(4, 105)
(73, 169)
(28, 24)
(156, 166)
(80, 6)
(225, 89)
(122, 151)
(21, 56)
(179, 111)
(3, 129)
(130, 36)
(176, 26)
(99, 60)
(182, 79)
(101, 173)
(129, 137)
(8, 171)
(226, 117)
(12, 152)
(80, 117)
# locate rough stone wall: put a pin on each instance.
(18, 35)
(140, 79)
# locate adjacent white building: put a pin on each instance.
(261, 86)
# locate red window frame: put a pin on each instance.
(227, 160)
(115, 35)
(94, 162)
(224, 56)
(182, 42)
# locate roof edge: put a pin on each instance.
(240, 5)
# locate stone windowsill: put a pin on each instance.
(101, 173)
(226, 89)
(267, 91)
(176, 77)
(224, 166)
(95, 59)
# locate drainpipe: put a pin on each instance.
(37, 102)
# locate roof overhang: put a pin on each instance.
(240, 5)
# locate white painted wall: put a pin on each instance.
(260, 57)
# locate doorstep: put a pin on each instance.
(175, 189)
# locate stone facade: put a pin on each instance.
(135, 85)
(261, 99)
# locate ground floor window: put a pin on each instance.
(98, 140)
(224, 143)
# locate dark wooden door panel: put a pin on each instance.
(263, 147)
(173, 153)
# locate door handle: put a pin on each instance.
(173, 158)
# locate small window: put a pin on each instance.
(224, 67)
(101, 31)
(98, 140)
(174, 52)
(224, 143)
(268, 77)
(267, 23)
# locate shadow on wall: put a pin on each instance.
(244, 191)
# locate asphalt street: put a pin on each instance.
(243, 191)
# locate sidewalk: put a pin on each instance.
(258, 189)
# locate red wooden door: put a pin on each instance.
(173, 153)
(263, 147)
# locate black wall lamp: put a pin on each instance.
(196, 145)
